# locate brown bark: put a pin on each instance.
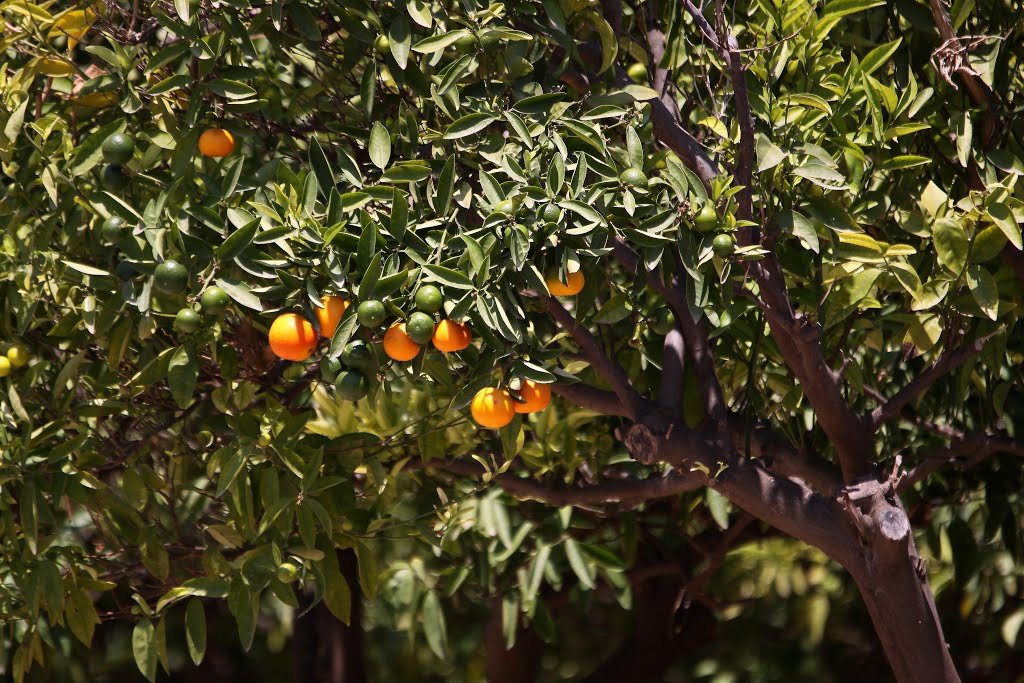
(895, 589)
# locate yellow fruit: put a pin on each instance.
(570, 288)
(216, 142)
(536, 397)
(292, 337)
(397, 344)
(5, 366)
(451, 336)
(18, 356)
(493, 408)
(330, 314)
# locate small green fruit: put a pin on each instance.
(507, 207)
(357, 355)
(382, 44)
(551, 213)
(429, 299)
(330, 368)
(118, 149)
(351, 385)
(633, 177)
(420, 328)
(638, 72)
(664, 321)
(706, 219)
(187, 321)
(287, 572)
(214, 301)
(371, 313)
(723, 245)
(170, 277)
(114, 178)
(112, 228)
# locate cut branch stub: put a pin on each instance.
(644, 443)
(892, 522)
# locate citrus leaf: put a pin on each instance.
(380, 146)
(467, 125)
(951, 245)
(984, 290)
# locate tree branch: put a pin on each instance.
(624, 492)
(695, 339)
(592, 398)
(608, 369)
(953, 56)
(949, 361)
(797, 339)
(787, 505)
(780, 457)
(673, 361)
(970, 451)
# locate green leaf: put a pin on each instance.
(578, 564)
(240, 292)
(170, 84)
(951, 244)
(182, 8)
(452, 278)
(81, 615)
(195, 630)
(798, 225)
(434, 627)
(609, 42)
(380, 146)
(964, 130)
(233, 90)
(467, 125)
(407, 172)
(584, 210)
(843, 7)
(400, 39)
(879, 56)
(85, 269)
(719, 507)
(1011, 628)
(238, 241)
(1004, 218)
(399, 215)
(768, 154)
(984, 290)
(144, 648)
(445, 187)
(902, 161)
(337, 595)
(321, 167)
(182, 375)
(437, 43)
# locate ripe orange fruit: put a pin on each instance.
(398, 345)
(216, 142)
(536, 397)
(451, 336)
(330, 314)
(292, 337)
(570, 288)
(493, 408)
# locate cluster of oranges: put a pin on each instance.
(293, 337)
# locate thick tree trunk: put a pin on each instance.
(894, 587)
(326, 650)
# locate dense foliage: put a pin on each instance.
(798, 225)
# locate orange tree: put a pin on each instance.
(765, 256)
